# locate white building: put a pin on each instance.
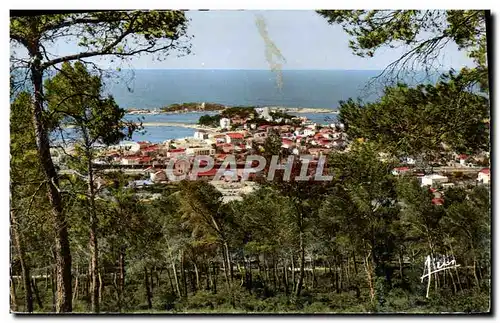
(264, 113)
(130, 160)
(433, 179)
(483, 176)
(225, 123)
(200, 151)
(308, 132)
(200, 134)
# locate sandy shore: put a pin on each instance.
(178, 124)
(305, 110)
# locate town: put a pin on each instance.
(243, 132)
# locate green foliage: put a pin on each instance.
(192, 106)
(74, 97)
(429, 116)
(210, 121)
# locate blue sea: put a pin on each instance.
(152, 88)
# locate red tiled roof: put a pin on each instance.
(437, 201)
(402, 169)
(178, 150)
(211, 172)
(463, 156)
(485, 171)
(234, 135)
(150, 148)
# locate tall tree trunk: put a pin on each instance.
(275, 274)
(121, 277)
(94, 249)
(147, 286)
(37, 295)
(302, 263)
(75, 290)
(197, 275)
(214, 277)
(225, 266)
(314, 278)
(285, 275)
(369, 277)
(250, 276)
(170, 280)
(25, 270)
(53, 288)
(101, 287)
(183, 275)
(228, 259)
(62, 250)
(152, 273)
(13, 299)
(176, 279)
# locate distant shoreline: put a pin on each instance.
(135, 111)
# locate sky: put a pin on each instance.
(230, 39)
(225, 39)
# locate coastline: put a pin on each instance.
(300, 110)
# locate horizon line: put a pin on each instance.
(261, 69)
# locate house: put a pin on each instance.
(234, 137)
(265, 128)
(483, 176)
(145, 160)
(200, 134)
(207, 175)
(264, 113)
(433, 180)
(200, 151)
(308, 132)
(144, 144)
(220, 138)
(286, 143)
(438, 201)
(174, 153)
(400, 171)
(149, 150)
(463, 159)
(130, 160)
(325, 142)
(225, 123)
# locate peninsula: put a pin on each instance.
(216, 107)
